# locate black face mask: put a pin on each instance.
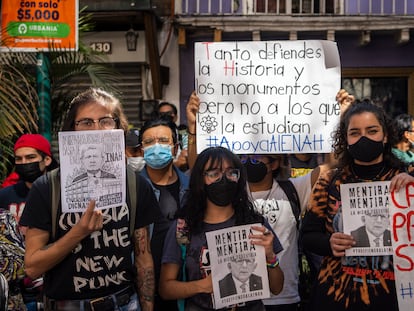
(255, 172)
(29, 172)
(366, 150)
(221, 193)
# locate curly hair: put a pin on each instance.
(403, 123)
(340, 144)
(210, 158)
(95, 96)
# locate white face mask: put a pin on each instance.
(137, 163)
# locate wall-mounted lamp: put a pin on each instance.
(131, 37)
(365, 38)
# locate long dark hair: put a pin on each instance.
(197, 201)
(340, 144)
(99, 96)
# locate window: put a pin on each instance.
(386, 87)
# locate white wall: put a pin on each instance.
(170, 59)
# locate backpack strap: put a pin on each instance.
(290, 190)
(183, 240)
(54, 178)
(133, 189)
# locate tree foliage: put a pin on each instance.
(69, 71)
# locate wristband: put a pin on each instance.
(191, 140)
(189, 133)
(273, 263)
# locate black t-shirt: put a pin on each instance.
(102, 263)
(13, 198)
(169, 204)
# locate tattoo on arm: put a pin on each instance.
(141, 241)
(145, 268)
(146, 284)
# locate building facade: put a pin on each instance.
(374, 38)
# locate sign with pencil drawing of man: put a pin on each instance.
(92, 168)
(365, 210)
(241, 278)
(238, 268)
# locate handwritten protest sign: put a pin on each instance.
(267, 96)
(365, 212)
(402, 220)
(92, 167)
(238, 268)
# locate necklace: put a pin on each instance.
(268, 194)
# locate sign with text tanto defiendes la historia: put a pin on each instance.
(35, 25)
(267, 96)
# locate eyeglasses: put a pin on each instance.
(215, 175)
(152, 140)
(167, 114)
(106, 123)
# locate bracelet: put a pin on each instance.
(191, 140)
(273, 263)
(189, 133)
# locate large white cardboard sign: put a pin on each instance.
(267, 96)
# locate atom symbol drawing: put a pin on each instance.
(208, 124)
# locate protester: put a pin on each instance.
(303, 163)
(403, 149)
(133, 150)
(159, 143)
(32, 158)
(218, 199)
(89, 263)
(11, 179)
(264, 175)
(168, 111)
(362, 147)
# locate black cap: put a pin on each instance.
(132, 138)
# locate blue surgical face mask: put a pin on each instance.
(158, 156)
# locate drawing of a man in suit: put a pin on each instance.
(241, 278)
(374, 232)
(92, 159)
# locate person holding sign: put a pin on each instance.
(265, 175)
(362, 147)
(218, 199)
(88, 261)
(403, 149)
